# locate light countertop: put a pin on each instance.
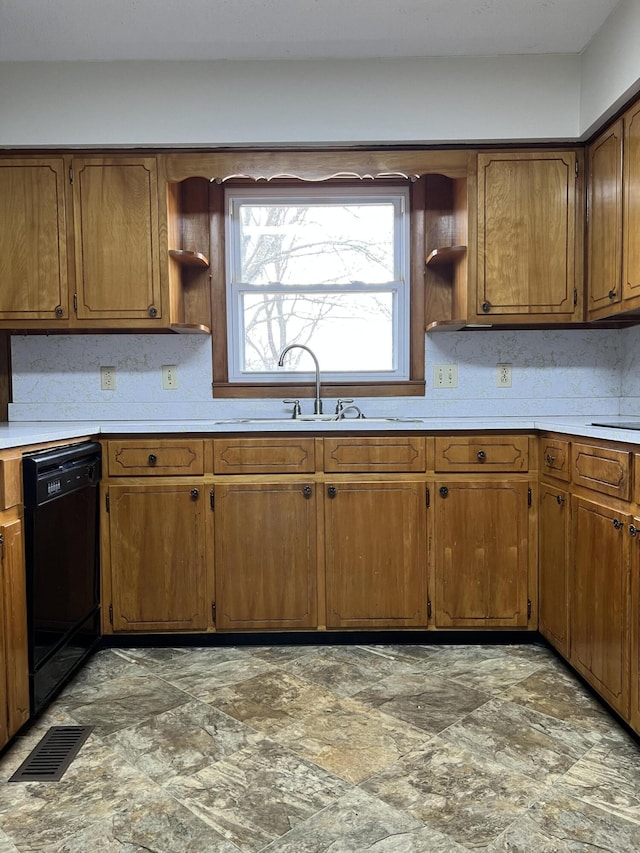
(24, 433)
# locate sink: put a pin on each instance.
(254, 420)
(319, 419)
(389, 420)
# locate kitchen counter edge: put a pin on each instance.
(27, 433)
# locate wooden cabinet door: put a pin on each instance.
(33, 252)
(527, 235)
(631, 217)
(634, 714)
(115, 206)
(265, 555)
(600, 592)
(481, 553)
(157, 555)
(604, 238)
(15, 624)
(554, 515)
(4, 704)
(376, 561)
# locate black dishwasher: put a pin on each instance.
(62, 563)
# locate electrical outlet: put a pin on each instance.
(108, 378)
(169, 377)
(445, 376)
(503, 375)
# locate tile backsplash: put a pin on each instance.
(554, 372)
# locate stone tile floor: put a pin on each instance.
(330, 749)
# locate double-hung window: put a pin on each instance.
(327, 267)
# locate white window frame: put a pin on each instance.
(399, 287)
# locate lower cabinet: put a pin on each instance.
(634, 711)
(4, 705)
(553, 565)
(14, 664)
(375, 550)
(600, 599)
(481, 554)
(265, 555)
(156, 553)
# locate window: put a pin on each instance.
(327, 267)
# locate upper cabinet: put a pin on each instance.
(613, 220)
(33, 249)
(80, 246)
(504, 243)
(529, 238)
(631, 217)
(604, 217)
(117, 270)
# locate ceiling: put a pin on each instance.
(104, 30)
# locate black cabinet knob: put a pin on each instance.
(195, 494)
(152, 459)
(307, 491)
(481, 455)
(332, 491)
(444, 491)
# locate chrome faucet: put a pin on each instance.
(317, 406)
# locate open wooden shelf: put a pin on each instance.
(190, 329)
(446, 325)
(189, 259)
(445, 255)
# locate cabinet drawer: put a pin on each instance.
(397, 454)
(149, 457)
(554, 458)
(482, 453)
(264, 456)
(604, 469)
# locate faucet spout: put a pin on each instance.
(317, 406)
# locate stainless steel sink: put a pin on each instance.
(318, 419)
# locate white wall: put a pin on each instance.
(295, 102)
(610, 68)
(555, 372)
(422, 100)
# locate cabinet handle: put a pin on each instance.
(486, 307)
(195, 494)
(152, 459)
(481, 455)
(612, 294)
(549, 459)
(444, 491)
(633, 530)
(332, 491)
(560, 499)
(307, 491)
(617, 524)
(153, 311)
(59, 312)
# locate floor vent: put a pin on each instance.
(48, 761)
